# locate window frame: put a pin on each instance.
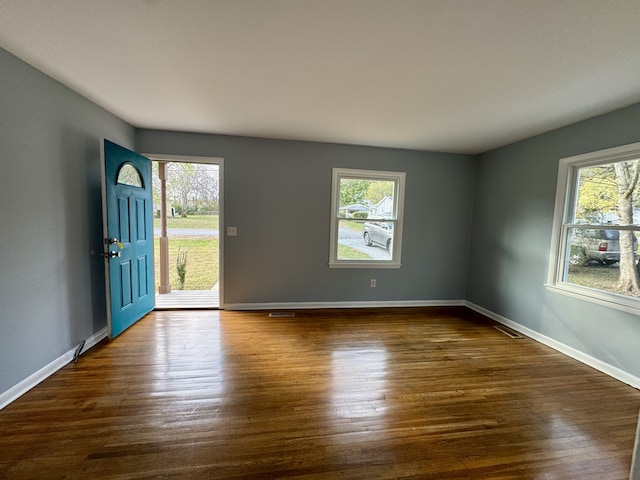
(564, 211)
(398, 198)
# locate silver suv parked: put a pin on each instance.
(378, 233)
(592, 245)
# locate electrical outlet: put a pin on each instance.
(232, 231)
(373, 283)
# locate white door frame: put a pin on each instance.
(211, 161)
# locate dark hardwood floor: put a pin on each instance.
(353, 394)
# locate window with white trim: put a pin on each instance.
(596, 228)
(366, 218)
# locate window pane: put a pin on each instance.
(358, 240)
(366, 225)
(128, 175)
(597, 195)
(596, 228)
(362, 198)
(604, 259)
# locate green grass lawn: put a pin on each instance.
(600, 277)
(351, 225)
(202, 257)
(202, 262)
(347, 253)
(209, 222)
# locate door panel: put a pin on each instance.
(123, 220)
(128, 236)
(126, 295)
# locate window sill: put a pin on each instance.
(363, 265)
(610, 300)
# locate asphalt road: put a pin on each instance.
(347, 236)
(354, 240)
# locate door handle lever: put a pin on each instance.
(113, 240)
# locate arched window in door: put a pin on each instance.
(129, 175)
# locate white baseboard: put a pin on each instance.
(593, 362)
(28, 383)
(365, 304)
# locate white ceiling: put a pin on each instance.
(441, 75)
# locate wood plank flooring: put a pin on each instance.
(356, 394)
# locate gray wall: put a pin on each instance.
(277, 193)
(511, 238)
(51, 289)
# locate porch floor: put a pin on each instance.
(185, 299)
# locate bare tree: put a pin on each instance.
(205, 193)
(182, 183)
(193, 186)
(627, 180)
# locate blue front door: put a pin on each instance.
(128, 226)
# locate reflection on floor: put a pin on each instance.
(179, 299)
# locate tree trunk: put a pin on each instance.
(627, 179)
(184, 202)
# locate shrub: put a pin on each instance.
(577, 255)
(181, 267)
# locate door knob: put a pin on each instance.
(111, 254)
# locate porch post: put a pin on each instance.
(164, 287)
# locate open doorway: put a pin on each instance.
(187, 217)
